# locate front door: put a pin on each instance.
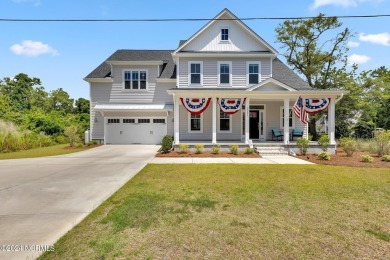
(254, 124)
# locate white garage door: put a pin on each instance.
(135, 130)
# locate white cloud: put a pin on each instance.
(352, 44)
(32, 49)
(358, 59)
(342, 3)
(380, 38)
(35, 2)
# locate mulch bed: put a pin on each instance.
(341, 159)
(82, 147)
(207, 154)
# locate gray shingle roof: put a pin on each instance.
(168, 71)
(284, 74)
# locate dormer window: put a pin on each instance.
(224, 34)
(135, 79)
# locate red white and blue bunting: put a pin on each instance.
(316, 105)
(230, 105)
(195, 106)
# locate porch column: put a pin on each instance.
(176, 116)
(247, 101)
(214, 123)
(286, 128)
(331, 121)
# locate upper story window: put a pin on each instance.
(135, 79)
(195, 72)
(224, 72)
(224, 34)
(253, 73)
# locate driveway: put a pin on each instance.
(42, 198)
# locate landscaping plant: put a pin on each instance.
(215, 149)
(325, 156)
(367, 159)
(303, 145)
(386, 158)
(166, 143)
(349, 146)
(183, 148)
(382, 142)
(324, 142)
(233, 149)
(72, 132)
(199, 148)
(248, 150)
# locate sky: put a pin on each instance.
(61, 54)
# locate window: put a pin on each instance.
(135, 79)
(128, 121)
(224, 34)
(224, 74)
(290, 118)
(224, 122)
(195, 69)
(113, 121)
(143, 121)
(158, 121)
(253, 72)
(195, 123)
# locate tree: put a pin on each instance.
(82, 106)
(311, 52)
(72, 132)
(59, 100)
(39, 98)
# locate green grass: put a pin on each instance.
(238, 212)
(40, 152)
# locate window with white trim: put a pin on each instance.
(195, 73)
(158, 121)
(128, 120)
(253, 72)
(195, 123)
(224, 34)
(291, 121)
(143, 121)
(224, 122)
(224, 72)
(135, 79)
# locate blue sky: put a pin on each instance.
(61, 54)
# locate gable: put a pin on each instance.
(241, 37)
(270, 87)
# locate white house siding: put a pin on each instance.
(210, 70)
(100, 93)
(240, 40)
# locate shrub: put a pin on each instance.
(183, 148)
(349, 146)
(216, 149)
(61, 139)
(79, 145)
(233, 149)
(342, 141)
(367, 159)
(386, 158)
(324, 156)
(10, 137)
(90, 143)
(199, 148)
(248, 150)
(43, 140)
(72, 133)
(364, 129)
(166, 143)
(303, 145)
(382, 142)
(324, 142)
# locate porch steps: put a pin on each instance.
(271, 150)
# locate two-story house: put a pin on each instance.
(223, 84)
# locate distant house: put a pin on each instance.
(223, 84)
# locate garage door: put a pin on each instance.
(135, 130)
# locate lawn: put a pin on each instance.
(40, 152)
(239, 211)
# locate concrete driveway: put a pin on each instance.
(42, 198)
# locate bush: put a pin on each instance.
(199, 148)
(324, 156)
(233, 149)
(349, 146)
(90, 143)
(61, 139)
(382, 142)
(386, 158)
(216, 149)
(10, 137)
(73, 135)
(303, 145)
(324, 142)
(183, 148)
(79, 145)
(367, 159)
(248, 150)
(43, 140)
(166, 143)
(364, 129)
